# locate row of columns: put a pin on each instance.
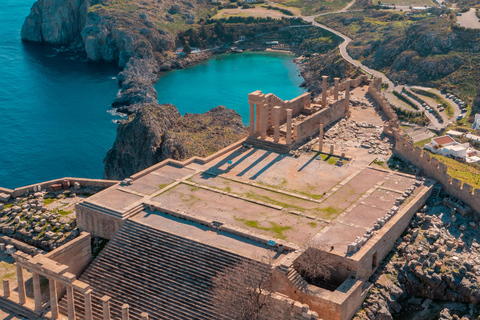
(22, 297)
(258, 125)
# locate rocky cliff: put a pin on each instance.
(55, 22)
(157, 132)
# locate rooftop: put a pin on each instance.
(443, 140)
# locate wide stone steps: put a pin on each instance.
(100, 209)
(154, 271)
(268, 145)
(297, 279)
(18, 309)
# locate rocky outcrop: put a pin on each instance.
(157, 132)
(55, 22)
(112, 37)
(437, 259)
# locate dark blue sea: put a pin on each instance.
(55, 114)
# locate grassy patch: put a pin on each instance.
(312, 224)
(439, 99)
(275, 228)
(309, 7)
(258, 197)
(64, 213)
(162, 185)
(422, 143)
(461, 171)
(49, 200)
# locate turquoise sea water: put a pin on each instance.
(53, 110)
(227, 80)
(54, 119)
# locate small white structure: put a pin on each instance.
(453, 133)
(476, 122)
(446, 146)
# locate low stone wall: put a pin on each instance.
(285, 308)
(18, 192)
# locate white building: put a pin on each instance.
(446, 146)
(476, 122)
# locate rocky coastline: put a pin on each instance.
(142, 50)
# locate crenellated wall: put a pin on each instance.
(420, 158)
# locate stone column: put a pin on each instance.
(332, 149)
(87, 297)
(106, 307)
(22, 298)
(258, 111)
(251, 124)
(6, 288)
(289, 126)
(37, 293)
(125, 312)
(53, 298)
(70, 303)
(320, 139)
(324, 91)
(263, 122)
(335, 89)
(276, 111)
(144, 316)
(347, 95)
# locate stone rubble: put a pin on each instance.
(437, 259)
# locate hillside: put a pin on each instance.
(420, 49)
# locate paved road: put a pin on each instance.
(469, 19)
(346, 42)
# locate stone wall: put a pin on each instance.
(97, 222)
(285, 308)
(76, 254)
(311, 125)
(377, 248)
(420, 158)
(436, 170)
(18, 192)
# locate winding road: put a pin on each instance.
(391, 86)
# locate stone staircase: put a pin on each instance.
(153, 271)
(296, 279)
(268, 145)
(436, 191)
(19, 309)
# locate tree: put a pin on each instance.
(318, 267)
(187, 49)
(242, 291)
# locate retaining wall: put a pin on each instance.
(18, 192)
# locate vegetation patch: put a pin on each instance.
(411, 116)
(469, 173)
(439, 99)
(275, 228)
(400, 96)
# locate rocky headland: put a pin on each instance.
(130, 36)
(433, 272)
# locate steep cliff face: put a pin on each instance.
(157, 132)
(112, 37)
(55, 22)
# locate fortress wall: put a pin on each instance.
(438, 171)
(420, 158)
(382, 242)
(17, 192)
(311, 125)
(97, 223)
